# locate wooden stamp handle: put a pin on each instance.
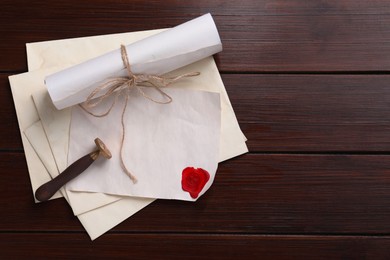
(47, 190)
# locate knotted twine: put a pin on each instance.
(121, 86)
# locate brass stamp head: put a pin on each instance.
(103, 149)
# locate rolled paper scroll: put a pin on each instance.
(155, 55)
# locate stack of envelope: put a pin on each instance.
(51, 136)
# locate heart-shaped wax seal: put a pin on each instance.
(193, 180)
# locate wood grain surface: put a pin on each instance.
(310, 84)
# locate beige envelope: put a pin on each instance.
(56, 126)
(97, 221)
(27, 115)
(72, 51)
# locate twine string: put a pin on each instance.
(122, 86)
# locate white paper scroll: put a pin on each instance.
(158, 54)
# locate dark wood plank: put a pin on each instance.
(277, 194)
(267, 35)
(19, 208)
(183, 246)
(312, 112)
(287, 112)
(298, 195)
(9, 130)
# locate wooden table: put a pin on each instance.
(310, 84)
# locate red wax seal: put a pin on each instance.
(193, 180)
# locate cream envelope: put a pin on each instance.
(161, 141)
(27, 115)
(72, 51)
(56, 126)
(97, 221)
(37, 138)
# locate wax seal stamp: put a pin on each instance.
(47, 190)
